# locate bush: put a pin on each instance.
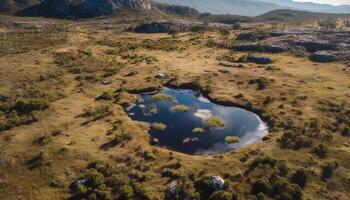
(328, 169)
(295, 141)
(219, 195)
(94, 178)
(282, 190)
(321, 150)
(300, 177)
(262, 161)
(261, 185)
(204, 187)
(184, 190)
(25, 106)
(121, 136)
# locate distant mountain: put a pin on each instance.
(297, 15)
(255, 7)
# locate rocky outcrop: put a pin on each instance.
(321, 46)
(259, 59)
(259, 48)
(162, 27)
(323, 56)
(83, 8)
(177, 10)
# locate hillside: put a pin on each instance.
(255, 7)
(295, 15)
(10, 6)
(80, 8)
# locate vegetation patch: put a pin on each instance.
(198, 130)
(162, 97)
(158, 126)
(180, 108)
(213, 122)
(231, 139)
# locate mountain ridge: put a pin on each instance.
(255, 7)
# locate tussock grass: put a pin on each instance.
(180, 108)
(158, 126)
(231, 139)
(213, 122)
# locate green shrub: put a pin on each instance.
(260, 196)
(184, 190)
(321, 150)
(94, 178)
(204, 187)
(328, 169)
(282, 190)
(126, 192)
(142, 192)
(219, 195)
(266, 160)
(300, 177)
(261, 185)
(25, 106)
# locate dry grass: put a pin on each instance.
(297, 92)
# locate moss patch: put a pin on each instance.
(162, 97)
(231, 139)
(213, 122)
(159, 126)
(198, 130)
(180, 108)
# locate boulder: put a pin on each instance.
(252, 36)
(260, 59)
(323, 56)
(162, 27)
(259, 48)
(313, 46)
(218, 183)
(74, 186)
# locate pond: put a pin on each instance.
(185, 121)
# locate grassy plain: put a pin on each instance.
(68, 68)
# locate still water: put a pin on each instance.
(179, 134)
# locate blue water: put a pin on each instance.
(238, 122)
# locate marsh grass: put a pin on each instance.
(231, 139)
(198, 130)
(158, 126)
(162, 97)
(213, 122)
(180, 108)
